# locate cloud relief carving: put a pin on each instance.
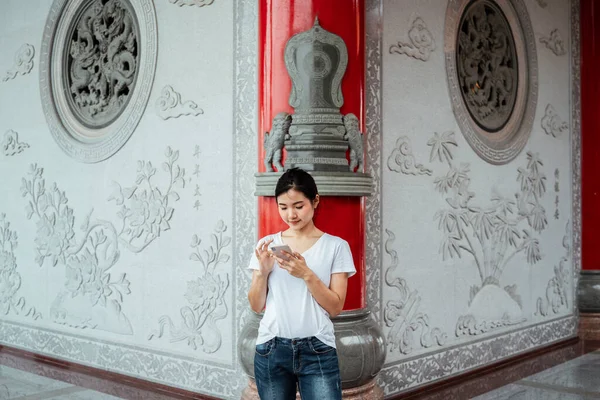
(23, 62)
(169, 105)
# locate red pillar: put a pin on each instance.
(279, 20)
(590, 133)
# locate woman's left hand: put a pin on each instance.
(295, 265)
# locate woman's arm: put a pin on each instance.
(331, 298)
(257, 295)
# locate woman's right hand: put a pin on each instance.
(265, 258)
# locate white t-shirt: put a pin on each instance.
(291, 310)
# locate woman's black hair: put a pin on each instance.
(297, 179)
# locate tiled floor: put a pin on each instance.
(578, 379)
(18, 384)
(571, 372)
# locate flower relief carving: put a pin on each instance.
(402, 314)
(169, 105)
(555, 43)
(492, 236)
(551, 122)
(198, 3)
(103, 62)
(93, 295)
(421, 43)
(402, 159)
(10, 279)
(556, 291)
(23, 62)
(11, 144)
(205, 295)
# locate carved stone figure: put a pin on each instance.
(487, 67)
(274, 140)
(355, 141)
(103, 59)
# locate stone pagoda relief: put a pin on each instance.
(491, 67)
(316, 137)
(97, 65)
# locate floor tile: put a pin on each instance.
(520, 392)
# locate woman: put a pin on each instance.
(301, 291)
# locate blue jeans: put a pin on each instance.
(281, 364)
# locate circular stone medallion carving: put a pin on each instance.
(96, 70)
(491, 67)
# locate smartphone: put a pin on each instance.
(279, 251)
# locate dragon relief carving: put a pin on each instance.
(491, 235)
(23, 62)
(93, 296)
(274, 141)
(487, 65)
(555, 43)
(103, 61)
(421, 45)
(402, 314)
(355, 140)
(402, 159)
(556, 297)
(169, 105)
(10, 279)
(11, 144)
(205, 295)
(551, 122)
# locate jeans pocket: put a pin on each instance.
(264, 349)
(319, 347)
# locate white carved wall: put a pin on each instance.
(128, 264)
(206, 63)
(436, 319)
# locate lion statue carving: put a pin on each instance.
(355, 141)
(275, 139)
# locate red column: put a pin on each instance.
(279, 20)
(590, 133)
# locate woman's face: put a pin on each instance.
(296, 209)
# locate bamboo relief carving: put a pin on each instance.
(492, 236)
